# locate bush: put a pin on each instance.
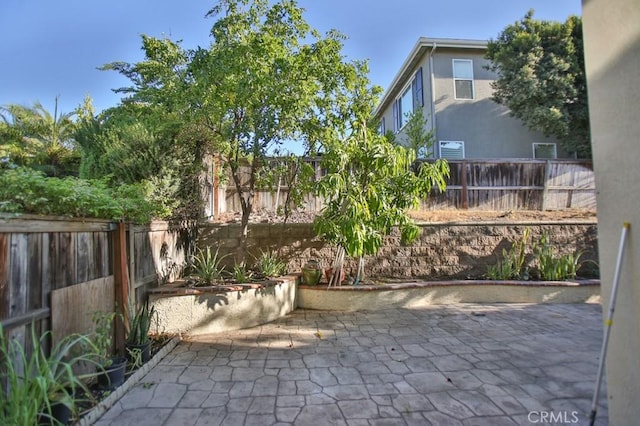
(24, 190)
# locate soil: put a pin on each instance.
(425, 216)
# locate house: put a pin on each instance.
(449, 80)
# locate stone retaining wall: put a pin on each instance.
(443, 251)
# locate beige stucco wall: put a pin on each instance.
(612, 55)
(357, 299)
(220, 311)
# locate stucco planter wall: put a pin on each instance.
(421, 294)
(213, 310)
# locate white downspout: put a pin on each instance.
(433, 97)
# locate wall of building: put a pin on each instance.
(612, 57)
(486, 128)
(443, 251)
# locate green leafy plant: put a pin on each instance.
(207, 266)
(102, 336)
(553, 267)
(512, 265)
(240, 273)
(138, 323)
(36, 380)
(24, 190)
(270, 265)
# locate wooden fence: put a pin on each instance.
(500, 185)
(57, 272)
(477, 184)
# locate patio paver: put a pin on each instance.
(464, 364)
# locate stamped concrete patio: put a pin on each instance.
(463, 364)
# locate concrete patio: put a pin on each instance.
(462, 364)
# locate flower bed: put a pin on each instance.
(422, 293)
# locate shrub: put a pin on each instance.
(24, 190)
(512, 265)
(552, 267)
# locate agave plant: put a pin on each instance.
(207, 266)
(138, 323)
(240, 273)
(269, 265)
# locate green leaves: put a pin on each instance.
(369, 186)
(25, 190)
(541, 78)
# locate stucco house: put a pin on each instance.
(448, 79)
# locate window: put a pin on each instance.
(453, 150)
(411, 98)
(544, 150)
(382, 128)
(463, 78)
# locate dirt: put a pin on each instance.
(426, 216)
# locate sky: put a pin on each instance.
(52, 49)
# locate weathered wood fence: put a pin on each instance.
(517, 185)
(57, 272)
(474, 184)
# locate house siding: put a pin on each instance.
(486, 128)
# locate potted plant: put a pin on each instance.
(42, 388)
(111, 367)
(138, 343)
(311, 272)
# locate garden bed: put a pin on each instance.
(411, 294)
(219, 308)
(203, 310)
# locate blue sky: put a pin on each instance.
(50, 48)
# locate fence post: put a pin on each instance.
(216, 186)
(463, 182)
(545, 190)
(121, 280)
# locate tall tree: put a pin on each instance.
(541, 78)
(270, 76)
(265, 79)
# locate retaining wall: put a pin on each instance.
(443, 250)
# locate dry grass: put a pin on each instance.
(495, 216)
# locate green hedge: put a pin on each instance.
(24, 190)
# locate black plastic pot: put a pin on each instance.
(144, 350)
(113, 375)
(60, 414)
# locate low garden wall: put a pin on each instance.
(443, 250)
(421, 294)
(204, 310)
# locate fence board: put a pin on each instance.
(86, 299)
(4, 275)
(83, 253)
(34, 272)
